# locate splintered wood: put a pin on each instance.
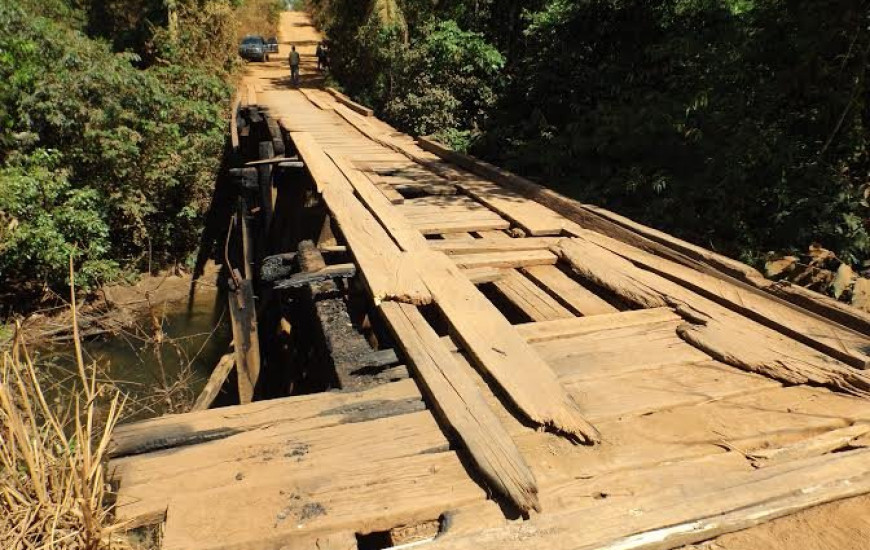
(715, 400)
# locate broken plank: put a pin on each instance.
(817, 332)
(215, 382)
(530, 298)
(716, 330)
(568, 291)
(510, 259)
(498, 349)
(460, 405)
(337, 271)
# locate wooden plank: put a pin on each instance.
(479, 246)
(530, 298)
(481, 275)
(660, 243)
(215, 382)
(579, 326)
(462, 225)
(460, 405)
(839, 342)
(348, 102)
(498, 349)
(304, 411)
(510, 259)
(568, 291)
(672, 518)
(149, 483)
(718, 331)
(388, 273)
(827, 442)
(319, 102)
(371, 497)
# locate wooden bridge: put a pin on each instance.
(507, 368)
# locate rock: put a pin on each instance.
(861, 294)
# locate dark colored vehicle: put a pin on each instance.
(272, 45)
(254, 48)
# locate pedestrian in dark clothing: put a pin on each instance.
(294, 66)
(321, 57)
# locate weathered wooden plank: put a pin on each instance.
(672, 518)
(304, 411)
(568, 291)
(579, 326)
(720, 332)
(480, 246)
(844, 344)
(509, 259)
(530, 298)
(375, 497)
(460, 405)
(150, 482)
(458, 225)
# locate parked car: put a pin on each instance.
(254, 48)
(272, 45)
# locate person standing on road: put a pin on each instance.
(321, 57)
(294, 66)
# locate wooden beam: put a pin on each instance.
(460, 405)
(215, 383)
(243, 318)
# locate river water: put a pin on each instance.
(195, 335)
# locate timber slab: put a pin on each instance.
(544, 374)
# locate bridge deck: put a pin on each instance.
(707, 401)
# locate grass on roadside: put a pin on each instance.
(53, 491)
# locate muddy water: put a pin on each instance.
(195, 336)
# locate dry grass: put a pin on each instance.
(53, 493)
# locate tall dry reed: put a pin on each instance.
(53, 491)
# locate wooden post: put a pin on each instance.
(243, 317)
(264, 172)
(348, 350)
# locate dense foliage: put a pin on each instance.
(737, 124)
(109, 157)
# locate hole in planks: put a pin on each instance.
(401, 536)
